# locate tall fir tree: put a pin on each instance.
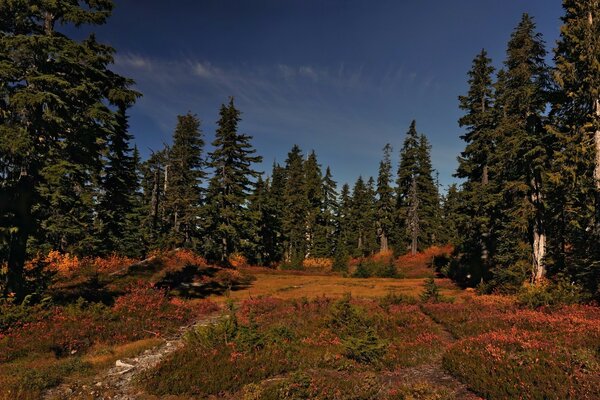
(184, 176)
(229, 222)
(326, 232)
(295, 207)
(574, 198)
(385, 200)
(478, 189)
(313, 188)
(119, 187)
(522, 157)
(362, 219)
(417, 197)
(57, 94)
(344, 243)
(429, 197)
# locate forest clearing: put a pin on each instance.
(254, 333)
(150, 248)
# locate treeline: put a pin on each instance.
(71, 182)
(530, 201)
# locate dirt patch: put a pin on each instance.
(118, 382)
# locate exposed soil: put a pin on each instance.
(118, 383)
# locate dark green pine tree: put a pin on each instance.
(153, 181)
(134, 243)
(326, 235)
(344, 244)
(229, 223)
(276, 198)
(313, 188)
(451, 216)
(385, 201)
(295, 208)
(407, 172)
(522, 157)
(56, 95)
(263, 250)
(417, 197)
(480, 184)
(184, 175)
(119, 187)
(574, 198)
(429, 197)
(362, 219)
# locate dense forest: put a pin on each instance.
(72, 180)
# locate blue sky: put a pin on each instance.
(341, 77)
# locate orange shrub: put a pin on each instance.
(180, 258)
(112, 263)
(63, 264)
(318, 264)
(237, 260)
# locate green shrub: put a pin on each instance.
(364, 346)
(551, 294)
(367, 268)
(431, 291)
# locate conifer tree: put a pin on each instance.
(407, 171)
(474, 167)
(574, 199)
(417, 198)
(263, 243)
(522, 156)
(344, 245)
(429, 198)
(385, 200)
(276, 197)
(362, 218)
(326, 235)
(295, 207)
(184, 175)
(134, 243)
(451, 216)
(313, 187)
(57, 97)
(119, 186)
(229, 223)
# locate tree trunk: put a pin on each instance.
(384, 245)
(597, 168)
(539, 234)
(155, 202)
(23, 202)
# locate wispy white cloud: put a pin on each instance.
(315, 106)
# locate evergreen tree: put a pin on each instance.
(451, 216)
(417, 198)
(362, 219)
(276, 197)
(407, 172)
(385, 200)
(295, 207)
(325, 239)
(522, 157)
(344, 245)
(313, 188)
(229, 223)
(474, 167)
(153, 181)
(119, 186)
(263, 243)
(56, 95)
(574, 199)
(429, 198)
(134, 243)
(184, 176)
